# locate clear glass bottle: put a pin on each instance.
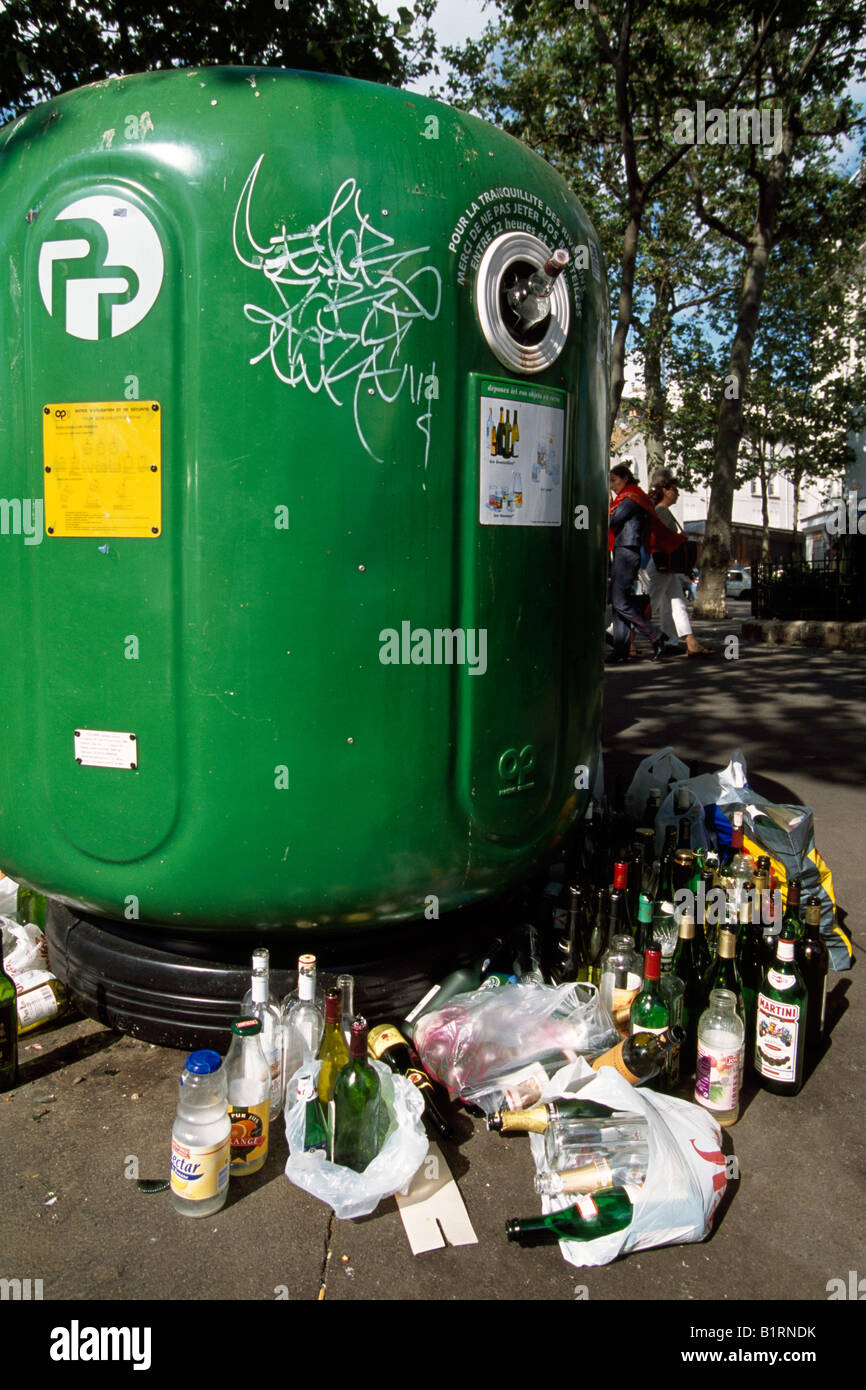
(258, 1002)
(530, 296)
(718, 1076)
(620, 982)
(200, 1137)
(303, 1020)
(566, 1141)
(346, 986)
(248, 1078)
(615, 1169)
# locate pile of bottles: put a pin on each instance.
(315, 1043)
(38, 1003)
(699, 939)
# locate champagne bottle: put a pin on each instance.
(536, 1119)
(387, 1044)
(356, 1105)
(628, 1167)
(599, 1214)
(650, 1012)
(333, 1052)
(507, 434)
(814, 963)
(500, 434)
(8, 1028)
(780, 1040)
(641, 1056)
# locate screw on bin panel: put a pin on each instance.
(362, 568)
(154, 406)
(153, 468)
(155, 530)
(51, 530)
(350, 740)
(48, 468)
(47, 410)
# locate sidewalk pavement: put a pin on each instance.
(95, 1106)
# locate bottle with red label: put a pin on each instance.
(780, 1032)
(249, 1097)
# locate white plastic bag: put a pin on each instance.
(402, 1149)
(694, 813)
(686, 1173)
(655, 771)
(25, 954)
(496, 1046)
(722, 788)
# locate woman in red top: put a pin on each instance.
(631, 517)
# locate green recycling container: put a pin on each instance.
(303, 525)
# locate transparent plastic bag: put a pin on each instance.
(25, 954)
(658, 770)
(497, 1046)
(403, 1147)
(686, 1174)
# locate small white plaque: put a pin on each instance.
(106, 748)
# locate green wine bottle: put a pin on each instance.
(814, 962)
(8, 1028)
(596, 1214)
(687, 967)
(792, 922)
(464, 980)
(723, 973)
(644, 933)
(356, 1105)
(650, 1012)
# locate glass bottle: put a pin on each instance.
(620, 885)
(780, 1039)
(598, 1214)
(201, 1137)
(567, 1143)
(259, 1003)
(31, 907)
(664, 920)
(649, 1012)
(735, 873)
(316, 1138)
(303, 1021)
(814, 963)
(683, 870)
(386, 1043)
(346, 986)
(644, 923)
(8, 1028)
(642, 1056)
(41, 1004)
(569, 953)
(651, 810)
(597, 943)
(356, 1105)
(530, 296)
(673, 991)
(686, 967)
(723, 973)
(620, 981)
(792, 922)
(248, 1079)
(750, 963)
(515, 440)
(718, 1075)
(461, 981)
(536, 1119)
(628, 1166)
(333, 1052)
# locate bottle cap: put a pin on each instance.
(652, 963)
(246, 1027)
(620, 875)
(203, 1063)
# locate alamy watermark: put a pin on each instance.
(734, 127)
(23, 516)
(440, 646)
(849, 518)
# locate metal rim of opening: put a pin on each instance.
(500, 254)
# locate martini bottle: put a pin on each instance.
(780, 1041)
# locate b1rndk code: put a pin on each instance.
(720, 1333)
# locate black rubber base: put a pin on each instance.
(185, 992)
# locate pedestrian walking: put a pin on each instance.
(631, 514)
(666, 586)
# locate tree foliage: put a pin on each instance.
(49, 46)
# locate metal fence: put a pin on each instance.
(830, 592)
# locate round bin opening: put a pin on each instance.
(508, 259)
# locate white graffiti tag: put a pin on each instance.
(347, 300)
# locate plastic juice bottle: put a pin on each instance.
(200, 1137)
(249, 1097)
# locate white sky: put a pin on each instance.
(453, 21)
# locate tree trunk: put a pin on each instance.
(654, 413)
(765, 510)
(626, 298)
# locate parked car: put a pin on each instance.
(739, 583)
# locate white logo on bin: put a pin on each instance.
(118, 285)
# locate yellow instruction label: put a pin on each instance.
(102, 468)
